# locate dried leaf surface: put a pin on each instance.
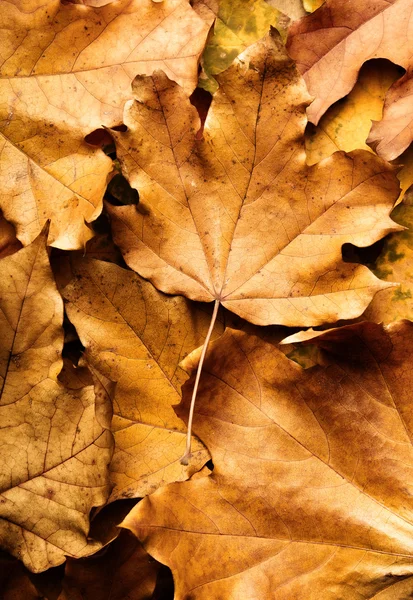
(53, 452)
(66, 70)
(346, 125)
(395, 263)
(238, 216)
(238, 24)
(309, 497)
(137, 336)
(331, 45)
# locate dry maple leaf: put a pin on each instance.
(66, 70)
(53, 451)
(310, 494)
(331, 45)
(137, 336)
(237, 216)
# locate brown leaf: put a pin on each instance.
(310, 495)
(137, 336)
(331, 45)
(238, 216)
(53, 451)
(66, 71)
(121, 571)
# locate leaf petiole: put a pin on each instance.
(187, 455)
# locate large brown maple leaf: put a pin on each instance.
(310, 496)
(238, 217)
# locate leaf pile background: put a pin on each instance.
(159, 159)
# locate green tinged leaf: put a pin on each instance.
(239, 24)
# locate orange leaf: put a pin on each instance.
(310, 494)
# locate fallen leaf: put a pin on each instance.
(67, 70)
(310, 495)
(331, 45)
(395, 263)
(53, 452)
(121, 571)
(137, 336)
(237, 216)
(312, 5)
(346, 125)
(9, 244)
(238, 25)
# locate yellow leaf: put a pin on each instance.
(67, 70)
(53, 451)
(136, 336)
(332, 44)
(346, 125)
(238, 24)
(395, 264)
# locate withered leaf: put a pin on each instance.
(54, 453)
(310, 495)
(395, 264)
(238, 24)
(66, 70)
(238, 216)
(331, 45)
(137, 336)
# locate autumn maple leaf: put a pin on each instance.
(66, 70)
(309, 496)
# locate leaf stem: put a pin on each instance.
(187, 455)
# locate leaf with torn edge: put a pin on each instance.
(331, 45)
(66, 70)
(54, 453)
(238, 217)
(137, 336)
(310, 495)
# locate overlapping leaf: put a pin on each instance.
(395, 263)
(53, 451)
(238, 216)
(331, 45)
(66, 70)
(310, 495)
(238, 24)
(136, 336)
